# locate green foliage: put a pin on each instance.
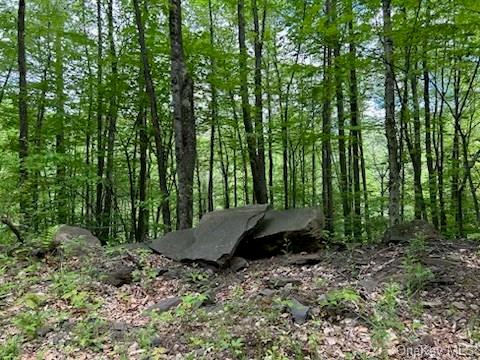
(89, 333)
(10, 349)
(68, 286)
(341, 297)
(44, 240)
(417, 276)
(385, 317)
(29, 322)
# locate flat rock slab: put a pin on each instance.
(216, 237)
(291, 221)
(176, 245)
(292, 231)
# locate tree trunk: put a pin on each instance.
(22, 110)
(420, 209)
(270, 139)
(432, 181)
(112, 124)
(262, 196)
(213, 109)
(355, 137)
(242, 149)
(152, 99)
(184, 122)
(100, 142)
(390, 126)
(259, 185)
(341, 133)
(142, 219)
(327, 195)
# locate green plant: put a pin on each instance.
(340, 297)
(385, 318)
(44, 240)
(10, 349)
(417, 276)
(145, 336)
(29, 322)
(189, 303)
(197, 276)
(417, 247)
(89, 333)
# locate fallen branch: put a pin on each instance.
(6, 221)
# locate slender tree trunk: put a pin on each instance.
(270, 139)
(262, 196)
(242, 149)
(432, 181)
(390, 126)
(88, 202)
(5, 83)
(327, 190)
(366, 204)
(152, 99)
(224, 168)
(100, 142)
(22, 110)
(61, 193)
(355, 138)
(440, 163)
(341, 134)
(457, 195)
(201, 209)
(184, 121)
(420, 208)
(213, 109)
(142, 219)
(259, 185)
(37, 142)
(112, 124)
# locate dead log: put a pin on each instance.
(6, 221)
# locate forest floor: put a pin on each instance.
(419, 301)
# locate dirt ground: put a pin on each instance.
(367, 302)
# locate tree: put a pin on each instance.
(256, 164)
(152, 99)
(390, 126)
(184, 121)
(22, 108)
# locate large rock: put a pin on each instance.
(75, 240)
(216, 237)
(292, 230)
(406, 232)
(175, 245)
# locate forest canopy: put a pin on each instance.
(134, 118)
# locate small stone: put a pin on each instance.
(165, 305)
(299, 311)
(330, 341)
(459, 305)
(238, 263)
(267, 292)
(44, 330)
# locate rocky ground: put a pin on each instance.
(416, 301)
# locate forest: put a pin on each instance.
(131, 120)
